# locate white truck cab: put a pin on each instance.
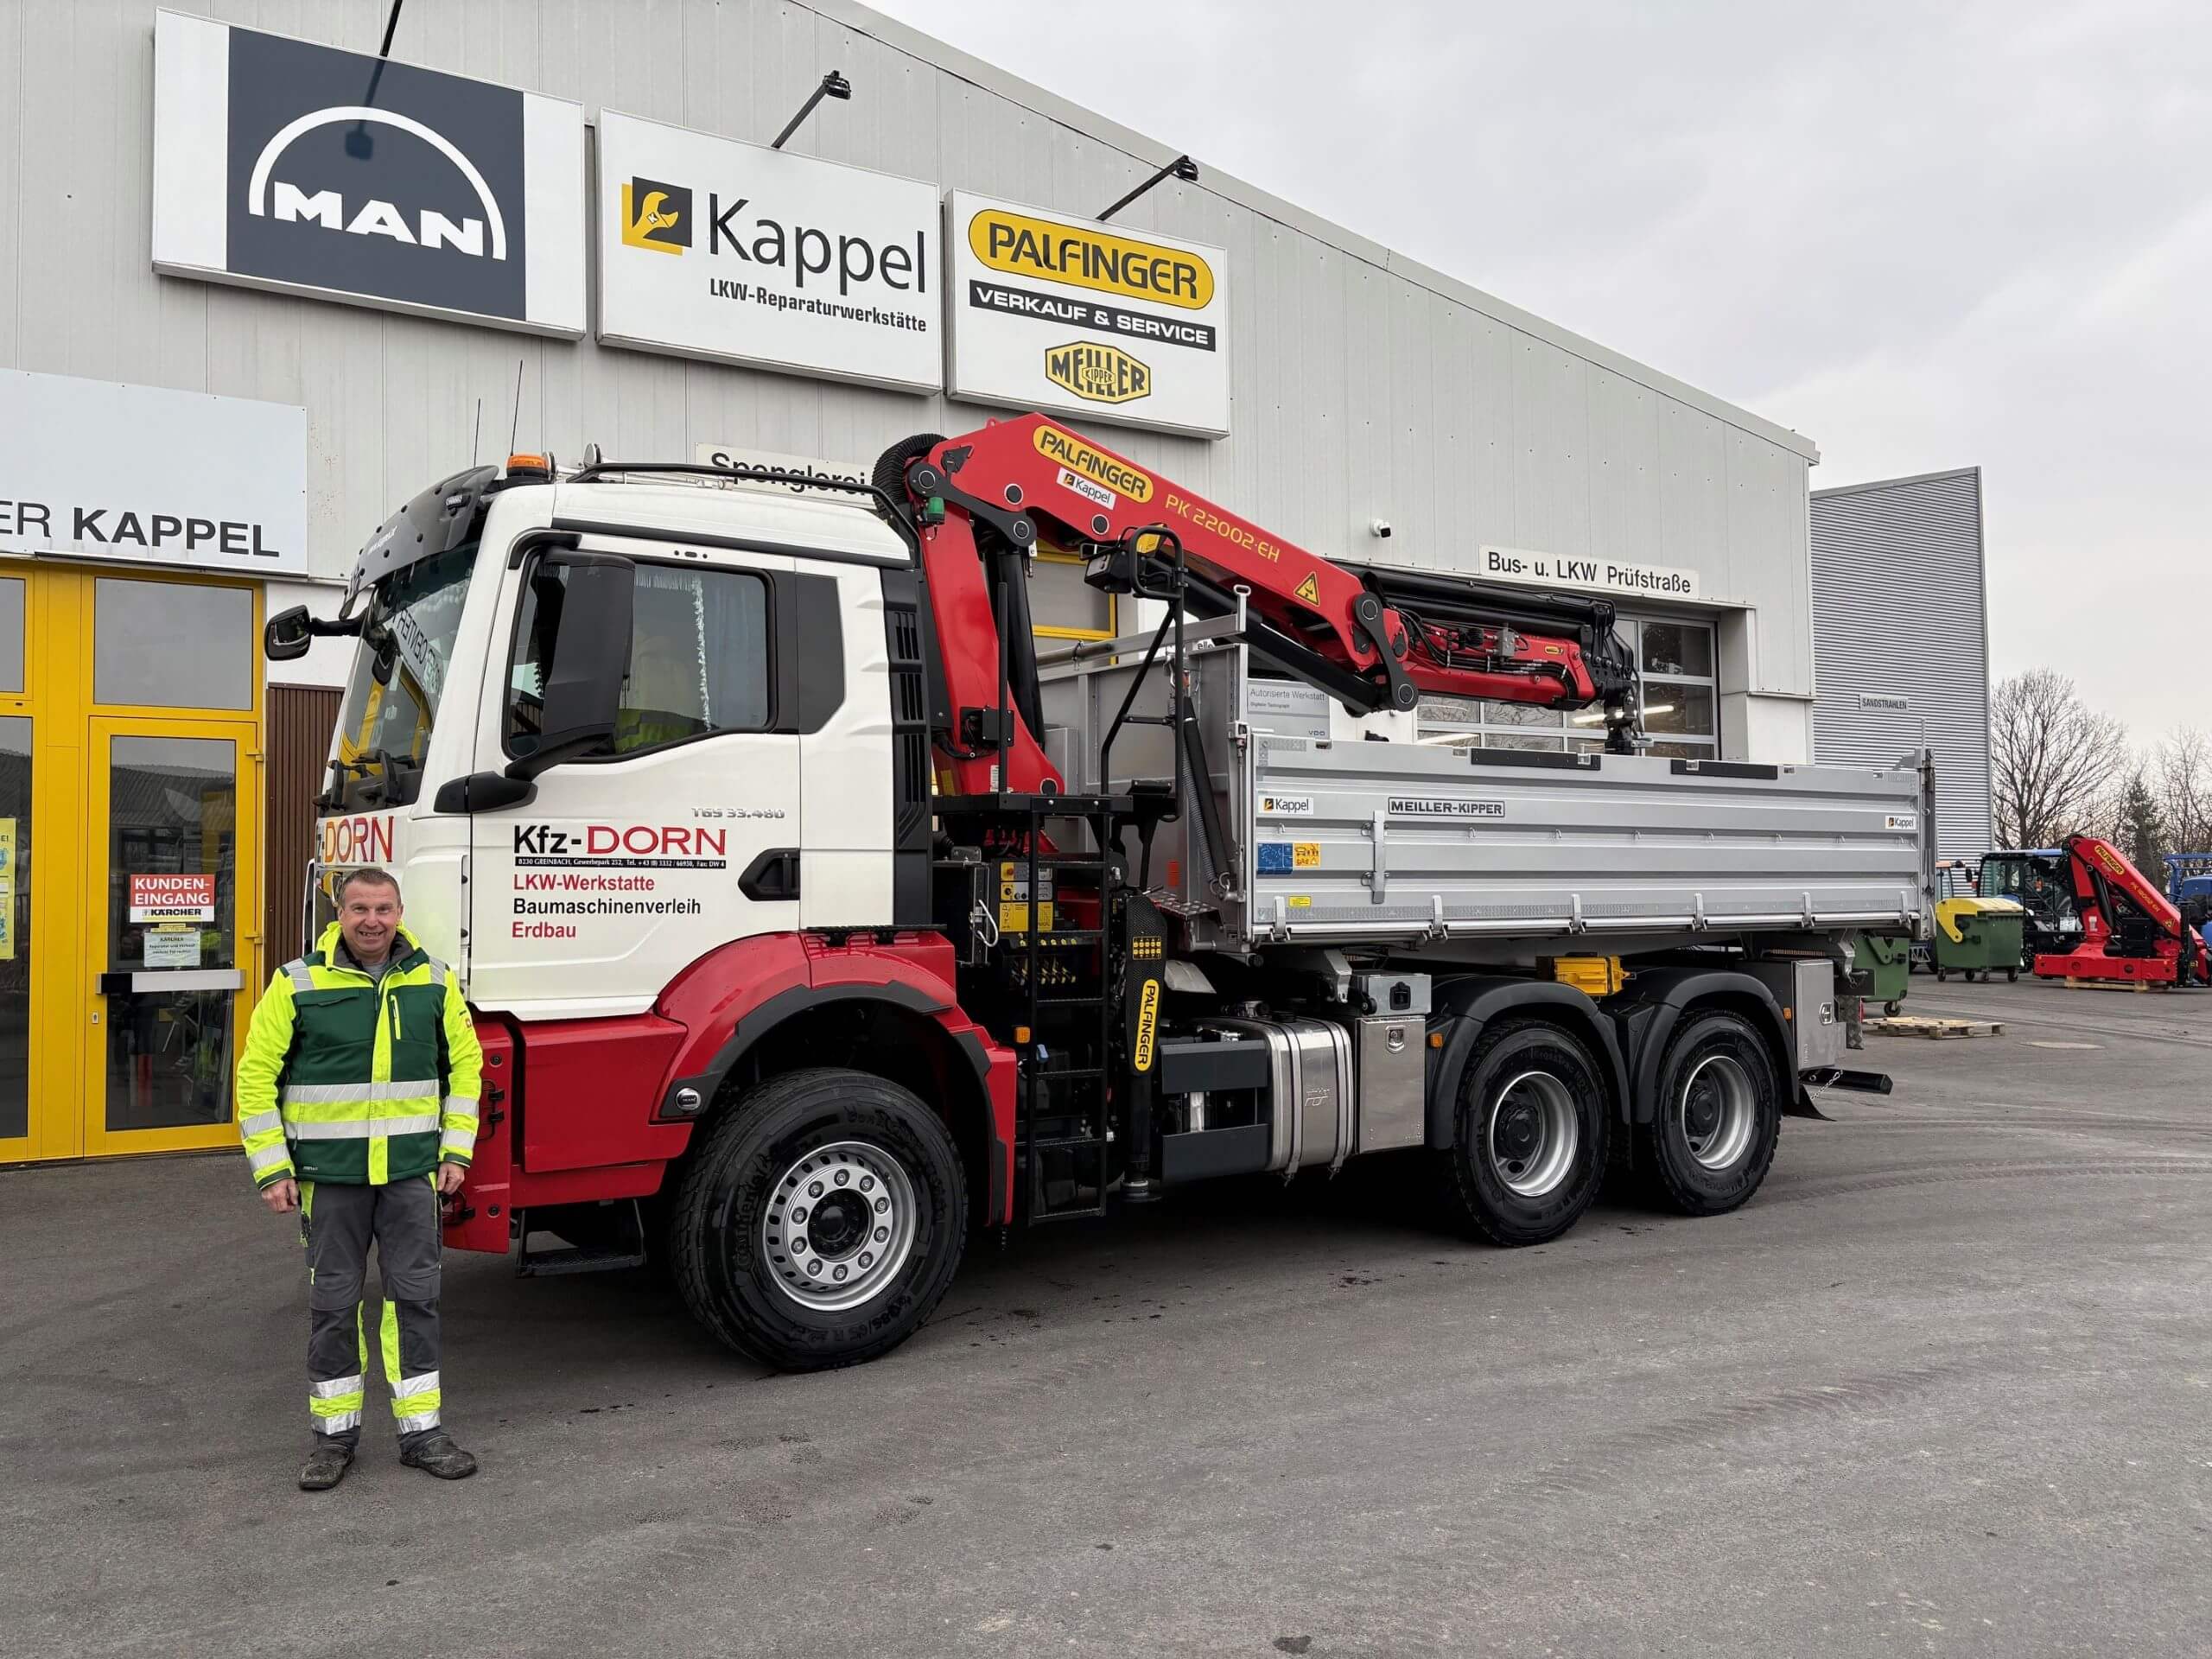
(741, 783)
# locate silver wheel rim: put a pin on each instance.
(1717, 1110)
(1533, 1135)
(839, 1226)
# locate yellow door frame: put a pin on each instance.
(67, 937)
(245, 920)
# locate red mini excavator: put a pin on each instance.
(1374, 639)
(2130, 929)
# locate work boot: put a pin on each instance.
(438, 1454)
(326, 1466)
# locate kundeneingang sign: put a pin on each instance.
(710, 248)
(280, 163)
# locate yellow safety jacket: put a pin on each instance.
(362, 1082)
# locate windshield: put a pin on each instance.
(399, 676)
(2030, 881)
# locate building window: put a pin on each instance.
(1675, 661)
(161, 645)
(1062, 606)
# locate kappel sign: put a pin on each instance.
(709, 248)
(204, 482)
(279, 164)
(1582, 574)
(1086, 318)
(185, 898)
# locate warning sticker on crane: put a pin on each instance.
(1310, 589)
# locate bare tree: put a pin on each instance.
(2053, 759)
(2183, 784)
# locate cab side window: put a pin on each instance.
(699, 656)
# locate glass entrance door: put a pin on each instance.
(173, 933)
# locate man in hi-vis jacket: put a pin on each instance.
(357, 1103)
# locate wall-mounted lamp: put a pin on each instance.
(833, 85)
(1182, 166)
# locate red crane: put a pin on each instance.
(1374, 638)
(2130, 929)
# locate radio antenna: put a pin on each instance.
(476, 437)
(515, 431)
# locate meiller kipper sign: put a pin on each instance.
(710, 248)
(1090, 320)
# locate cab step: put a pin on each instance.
(624, 1247)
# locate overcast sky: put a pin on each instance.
(1925, 235)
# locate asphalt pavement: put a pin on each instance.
(1945, 1386)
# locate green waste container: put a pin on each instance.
(1976, 937)
(1888, 957)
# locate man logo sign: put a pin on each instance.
(327, 208)
(279, 164)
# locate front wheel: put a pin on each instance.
(822, 1221)
(1529, 1144)
(2012, 976)
(1713, 1134)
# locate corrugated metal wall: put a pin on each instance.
(1898, 611)
(1364, 384)
(299, 721)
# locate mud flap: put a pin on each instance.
(1804, 1107)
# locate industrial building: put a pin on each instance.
(1901, 639)
(261, 288)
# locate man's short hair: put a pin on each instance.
(369, 874)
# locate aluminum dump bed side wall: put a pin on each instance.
(1376, 840)
(1626, 852)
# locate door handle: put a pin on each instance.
(172, 979)
(773, 876)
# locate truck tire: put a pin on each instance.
(1528, 1134)
(822, 1222)
(1712, 1139)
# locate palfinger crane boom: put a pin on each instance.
(1375, 639)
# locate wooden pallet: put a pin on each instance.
(2074, 984)
(1907, 1024)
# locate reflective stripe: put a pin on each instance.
(267, 1158)
(337, 1386)
(366, 1129)
(301, 976)
(346, 1094)
(260, 1122)
(338, 1424)
(437, 971)
(421, 1421)
(464, 1104)
(407, 1386)
(454, 1140)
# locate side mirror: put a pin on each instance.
(590, 654)
(286, 635)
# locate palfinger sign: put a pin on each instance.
(1054, 313)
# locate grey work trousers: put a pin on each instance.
(337, 1222)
